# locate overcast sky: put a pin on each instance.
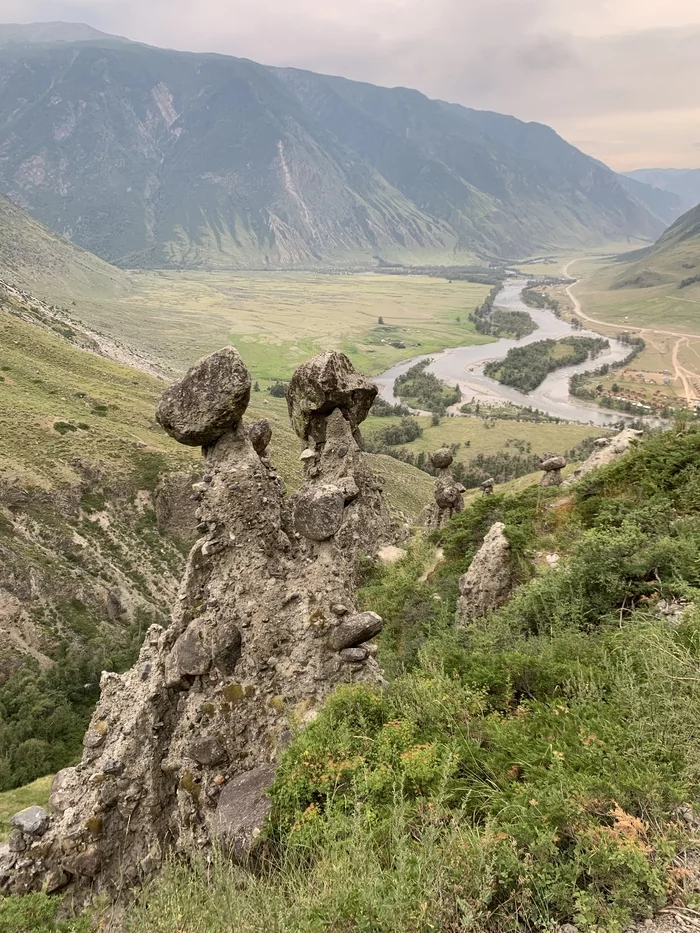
(619, 78)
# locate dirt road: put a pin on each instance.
(687, 378)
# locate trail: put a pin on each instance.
(651, 330)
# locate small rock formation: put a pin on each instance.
(489, 582)
(607, 450)
(487, 486)
(448, 494)
(552, 464)
(182, 747)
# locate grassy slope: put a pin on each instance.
(525, 771)
(12, 801)
(489, 437)
(34, 258)
(278, 320)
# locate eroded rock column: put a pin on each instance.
(182, 747)
(448, 493)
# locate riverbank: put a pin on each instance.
(464, 366)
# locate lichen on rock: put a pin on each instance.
(181, 747)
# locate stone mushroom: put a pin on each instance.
(487, 486)
(552, 465)
(209, 400)
(326, 382)
(448, 493)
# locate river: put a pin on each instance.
(464, 366)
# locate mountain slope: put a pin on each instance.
(33, 257)
(155, 158)
(683, 182)
(31, 33)
(673, 261)
(666, 205)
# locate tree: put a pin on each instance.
(435, 420)
(256, 387)
(380, 320)
(615, 388)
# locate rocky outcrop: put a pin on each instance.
(606, 450)
(489, 582)
(552, 465)
(182, 747)
(448, 494)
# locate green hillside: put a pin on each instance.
(153, 158)
(34, 258)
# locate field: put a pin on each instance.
(277, 320)
(667, 318)
(477, 435)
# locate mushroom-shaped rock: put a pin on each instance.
(320, 385)
(487, 486)
(442, 458)
(355, 630)
(260, 434)
(209, 399)
(552, 465)
(551, 462)
(318, 512)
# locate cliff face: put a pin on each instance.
(182, 747)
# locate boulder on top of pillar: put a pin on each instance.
(207, 401)
(322, 384)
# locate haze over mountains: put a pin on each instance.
(683, 182)
(155, 158)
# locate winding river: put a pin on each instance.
(464, 366)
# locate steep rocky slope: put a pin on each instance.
(156, 158)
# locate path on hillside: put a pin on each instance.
(687, 377)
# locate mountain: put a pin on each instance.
(156, 158)
(666, 205)
(33, 257)
(683, 182)
(673, 261)
(31, 33)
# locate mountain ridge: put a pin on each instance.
(156, 158)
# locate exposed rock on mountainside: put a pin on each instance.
(552, 465)
(606, 450)
(182, 747)
(489, 582)
(448, 493)
(211, 161)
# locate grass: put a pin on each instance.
(278, 320)
(12, 801)
(478, 435)
(520, 774)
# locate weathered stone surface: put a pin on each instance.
(605, 453)
(552, 462)
(442, 458)
(489, 582)
(448, 494)
(209, 399)
(390, 554)
(260, 434)
(63, 789)
(318, 512)
(209, 698)
(207, 751)
(242, 810)
(355, 630)
(34, 821)
(324, 383)
(174, 507)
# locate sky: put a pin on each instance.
(618, 78)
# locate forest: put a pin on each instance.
(423, 390)
(526, 367)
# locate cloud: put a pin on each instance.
(593, 70)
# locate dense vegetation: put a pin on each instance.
(507, 411)
(583, 385)
(527, 771)
(526, 367)
(500, 322)
(537, 299)
(423, 390)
